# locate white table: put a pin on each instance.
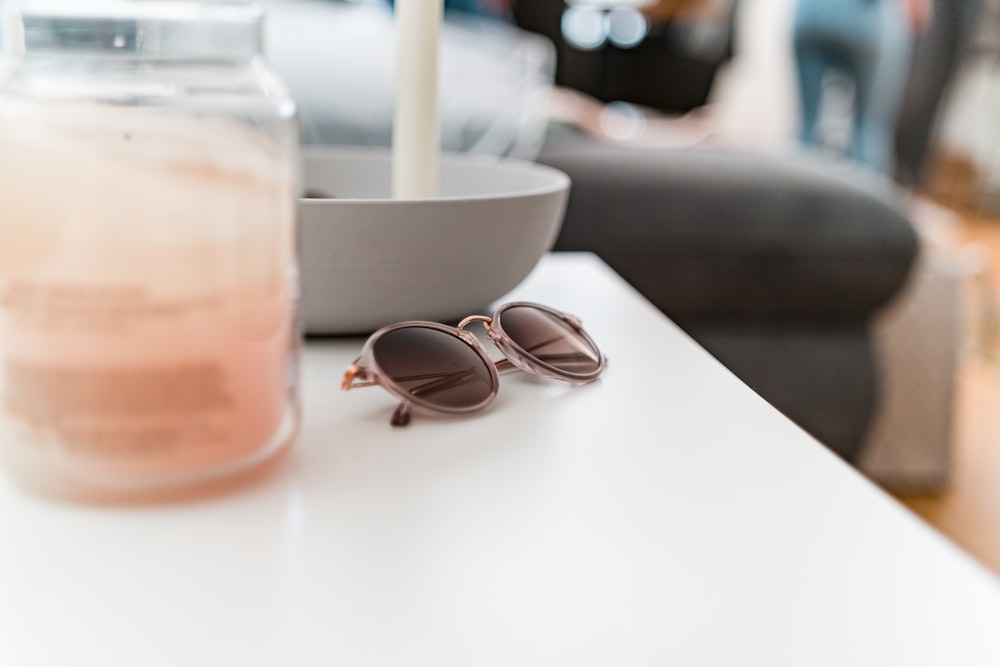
(663, 516)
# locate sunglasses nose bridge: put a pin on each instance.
(474, 318)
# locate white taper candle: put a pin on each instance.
(416, 133)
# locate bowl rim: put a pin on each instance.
(560, 181)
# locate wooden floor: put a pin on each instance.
(969, 511)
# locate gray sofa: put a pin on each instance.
(776, 264)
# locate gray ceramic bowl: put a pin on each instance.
(369, 260)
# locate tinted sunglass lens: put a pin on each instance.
(434, 366)
(550, 340)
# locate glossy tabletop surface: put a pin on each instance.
(665, 515)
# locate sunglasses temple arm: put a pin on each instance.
(504, 365)
(401, 415)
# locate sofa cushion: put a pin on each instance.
(709, 232)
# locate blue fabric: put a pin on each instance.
(870, 42)
(478, 7)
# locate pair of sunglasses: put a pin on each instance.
(443, 370)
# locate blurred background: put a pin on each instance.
(672, 70)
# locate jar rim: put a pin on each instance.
(138, 29)
(176, 10)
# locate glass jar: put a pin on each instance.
(148, 189)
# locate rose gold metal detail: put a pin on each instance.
(474, 318)
(504, 365)
(355, 372)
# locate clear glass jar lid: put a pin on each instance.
(144, 29)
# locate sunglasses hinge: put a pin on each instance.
(356, 377)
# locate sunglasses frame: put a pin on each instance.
(365, 370)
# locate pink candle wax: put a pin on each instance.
(146, 299)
